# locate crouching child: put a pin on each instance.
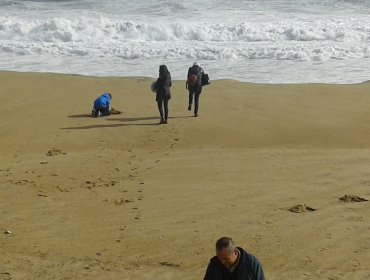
(101, 105)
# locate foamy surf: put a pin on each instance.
(91, 38)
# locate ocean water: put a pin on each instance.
(267, 41)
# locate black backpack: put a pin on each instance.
(205, 79)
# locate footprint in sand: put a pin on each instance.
(55, 152)
(352, 198)
(111, 183)
(301, 208)
(41, 194)
(5, 275)
(121, 201)
(22, 182)
(90, 184)
(357, 219)
(122, 228)
(169, 264)
(100, 183)
(61, 189)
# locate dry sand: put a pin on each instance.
(123, 198)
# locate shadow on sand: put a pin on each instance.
(126, 122)
(107, 125)
(80, 116)
(145, 118)
(133, 119)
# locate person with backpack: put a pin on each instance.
(194, 86)
(163, 93)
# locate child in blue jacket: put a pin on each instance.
(102, 105)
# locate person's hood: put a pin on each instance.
(106, 95)
(163, 69)
(195, 67)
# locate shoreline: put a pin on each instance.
(153, 78)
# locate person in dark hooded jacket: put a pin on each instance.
(163, 92)
(195, 89)
(233, 263)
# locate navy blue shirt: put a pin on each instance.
(248, 268)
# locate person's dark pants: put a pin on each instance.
(163, 108)
(195, 92)
(104, 111)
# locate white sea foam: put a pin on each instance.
(338, 39)
(125, 38)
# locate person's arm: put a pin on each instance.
(209, 273)
(170, 79)
(108, 104)
(160, 80)
(186, 84)
(212, 272)
(258, 270)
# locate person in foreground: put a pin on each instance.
(194, 86)
(233, 263)
(163, 92)
(102, 105)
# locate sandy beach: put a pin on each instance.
(121, 197)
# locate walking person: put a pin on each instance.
(194, 86)
(233, 263)
(163, 92)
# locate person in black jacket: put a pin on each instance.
(233, 263)
(196, 88)
(163, 92)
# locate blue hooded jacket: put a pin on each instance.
(102, 101)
